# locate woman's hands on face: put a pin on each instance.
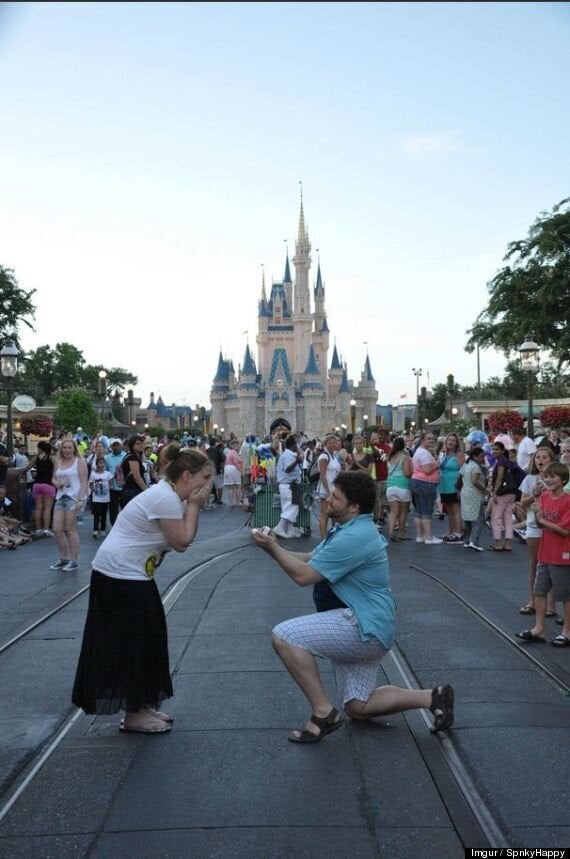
(200, 494)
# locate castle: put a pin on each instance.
(292, 385)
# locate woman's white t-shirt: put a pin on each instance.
(528, 487)
(333, 468)
(136, 544)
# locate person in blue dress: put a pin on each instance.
(352, 562)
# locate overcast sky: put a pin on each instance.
(151, 154)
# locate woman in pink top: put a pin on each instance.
(425, 479)
(232, 473)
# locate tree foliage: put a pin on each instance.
(75, 408)
(16, 306)
(48, 371)
(531, 294)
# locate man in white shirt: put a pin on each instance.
(288, 472)
(525, 447)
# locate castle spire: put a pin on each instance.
(319, 289)
(368, 370)
(335, 363)
(287, 275)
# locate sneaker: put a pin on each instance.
(63, 562)
(95, 535)
(453, 539)
(48, 532)
(70, 567)
(434, 541)
(473, 546)
(280, 532)
(297, 532)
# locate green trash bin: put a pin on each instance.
(267, 507)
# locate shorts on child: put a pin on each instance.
(552, 577)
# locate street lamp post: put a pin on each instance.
(352, 416)
(417, 373)
(9, 368)
(530, 359)
(365, 420)
(103, 394)
(343, 428)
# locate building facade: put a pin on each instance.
(292, 383)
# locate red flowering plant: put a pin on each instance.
(36, 425)
(555, 417)
(504, 420)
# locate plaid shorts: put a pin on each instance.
(335, 635)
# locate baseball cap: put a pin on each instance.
(115, 441)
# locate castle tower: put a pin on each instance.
(320, 335)
(366, 393)
(302, 319)
(247, 394)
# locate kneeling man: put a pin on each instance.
(352, 564)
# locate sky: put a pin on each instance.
(151, 154)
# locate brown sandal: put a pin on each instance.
(325, 724)
(442, 700)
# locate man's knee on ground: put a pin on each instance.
(355, 709)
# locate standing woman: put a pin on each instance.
(473, 493)
(359, 460)
(502, 500)
(43, 490)
(532, 488)
(70, 481)
(123, 663)
(398, 491)
(425, 478)
(329, 467)
(451, 460)
(233, 472)
(133, 470)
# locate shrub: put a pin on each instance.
(504, 420)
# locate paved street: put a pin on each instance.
(226, 782)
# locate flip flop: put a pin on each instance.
(560, 641)
(528, 609)
(326, 725)
(527, 635)
(550, 614)
(163, 729)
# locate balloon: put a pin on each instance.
(477, 437)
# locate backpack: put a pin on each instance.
(514, 476)
(314, 473)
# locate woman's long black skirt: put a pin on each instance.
(123, 663)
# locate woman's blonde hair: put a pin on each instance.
(68, 441)
(183, 459)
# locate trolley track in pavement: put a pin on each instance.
(471, 817)
(48, 614)
(31, 769)
(556, 673)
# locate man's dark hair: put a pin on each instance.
(357, 488)
(291, 442)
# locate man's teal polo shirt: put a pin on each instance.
(353, 558)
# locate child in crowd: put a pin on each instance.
(101, 496)
(552, 513)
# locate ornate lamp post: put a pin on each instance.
(9, 368)
(530, 360)
(102, 393)
(352, 416)
(365, 419)
(195, 419)
(343, 428)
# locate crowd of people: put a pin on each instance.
(365, 486)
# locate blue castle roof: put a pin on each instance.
(335, 363)
(312, 368)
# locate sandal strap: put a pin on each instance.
(324, 721)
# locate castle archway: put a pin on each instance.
(279, 424)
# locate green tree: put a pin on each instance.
(37, 373)
(531, 295)
(75, 408)
(16, 306)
